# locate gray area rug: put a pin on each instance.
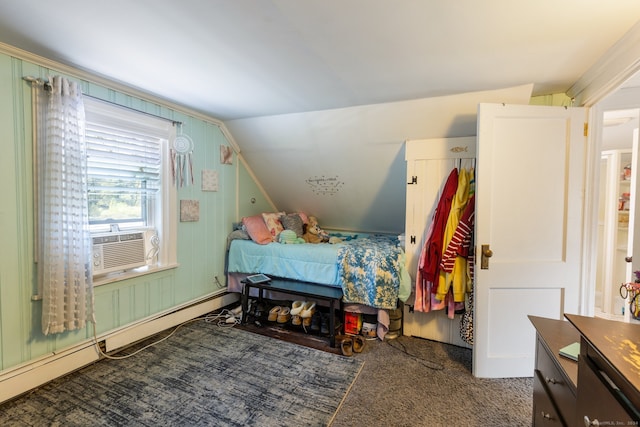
(410, 381)
(204, 375)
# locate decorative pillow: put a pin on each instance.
(257, 229)
(237, 234)
(292, 222)
(303, 216)
(273, 223)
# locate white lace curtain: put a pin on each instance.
(64, 243)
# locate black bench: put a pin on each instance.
(309, 290)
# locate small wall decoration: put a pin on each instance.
(189, 210)
(323, 185)
(181, 160)
(226, 155)
(209, 180)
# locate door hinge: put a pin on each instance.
(414, 180)
(586, 129)
(412, 240)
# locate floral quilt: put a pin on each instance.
(371, 269)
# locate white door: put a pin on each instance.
(529, 186)
(633, 247)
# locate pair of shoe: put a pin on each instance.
(273, 313)
(320, 323)
(256, 310)
(351, 344)
(301, 312)
(279, 314)
(316, 321)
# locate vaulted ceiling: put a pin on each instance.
(328, 90)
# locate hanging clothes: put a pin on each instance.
(466, 323)
(448, 240)
(433, 246)
(461, 240)
(431, 254)
(423, 287)
(446, 279)
(455, 260)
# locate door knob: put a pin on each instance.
(628, 258)
(486, 253)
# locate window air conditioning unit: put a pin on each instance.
(123, 250)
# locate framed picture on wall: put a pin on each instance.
(226, 155)
(189, 210)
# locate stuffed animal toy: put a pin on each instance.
(313, 233)
(335, 240)
(289, 236)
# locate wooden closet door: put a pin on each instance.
(429, 163)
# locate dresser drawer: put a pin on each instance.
(600, 401)
(544, 411)
(559, 391)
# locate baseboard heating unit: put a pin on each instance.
(23, 378)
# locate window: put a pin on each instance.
(129, 180)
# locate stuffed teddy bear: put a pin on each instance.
(313, 233)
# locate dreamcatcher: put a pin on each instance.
(181, 161)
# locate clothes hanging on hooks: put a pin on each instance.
(445, 267)
(431, 254)
(456, 277)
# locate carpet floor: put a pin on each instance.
(411, 381)
(204, 375)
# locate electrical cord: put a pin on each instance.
(225, 318)
(431, 365)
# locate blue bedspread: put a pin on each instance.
(307, 262)
(371, 270)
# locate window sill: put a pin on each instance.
(129, 274)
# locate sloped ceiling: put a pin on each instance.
(347, 166)
(235, 59)
(302, 83)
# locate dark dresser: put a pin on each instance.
(602, 388)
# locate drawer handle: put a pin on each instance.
(552, 380)
(588, 422)
(546, 416)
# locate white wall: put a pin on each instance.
(356, 154)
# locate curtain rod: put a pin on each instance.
(45, 82)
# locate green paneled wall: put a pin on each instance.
(200, 245)
(251, 198)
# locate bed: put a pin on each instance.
(370, 270)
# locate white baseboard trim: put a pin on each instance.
(160, 322)
(21, 379)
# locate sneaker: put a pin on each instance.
(324, 325)
(261, 310)
(316, 320)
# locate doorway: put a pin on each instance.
(618, 122)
